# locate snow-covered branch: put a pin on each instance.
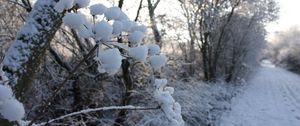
(128, 107)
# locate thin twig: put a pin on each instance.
(128, 107)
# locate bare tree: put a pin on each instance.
(151, 8)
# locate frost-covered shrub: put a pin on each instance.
(164, 97)
(113, 24)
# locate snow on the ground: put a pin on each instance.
(202, 103)
(272, 98)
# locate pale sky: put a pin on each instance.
(289, 16)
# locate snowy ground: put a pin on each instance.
(271, 99)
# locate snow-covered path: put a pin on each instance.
(271, 99)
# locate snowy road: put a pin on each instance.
(271, 99)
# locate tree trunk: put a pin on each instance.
(24, 57)
(154, 28)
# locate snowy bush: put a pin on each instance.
(109, 58)
(103, 33)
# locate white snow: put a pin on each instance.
(169, 106)
(84, 32)
(74, 20)
(154, 49)
(82, 3)
(122, 16)
(112, 13)
(271, 99)
(139, 53)
(62, 5)
(127, 24)
(117, 27)
(141, 28)
(97, 9)
(158, 61)
(12, 110)
(5, 93)
(136, 37)
(110, 60)
(103, 31)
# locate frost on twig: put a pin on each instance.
(169, 106)
(128, 107)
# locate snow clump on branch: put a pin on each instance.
(10, 108)
(97, 9)
(110, 61)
